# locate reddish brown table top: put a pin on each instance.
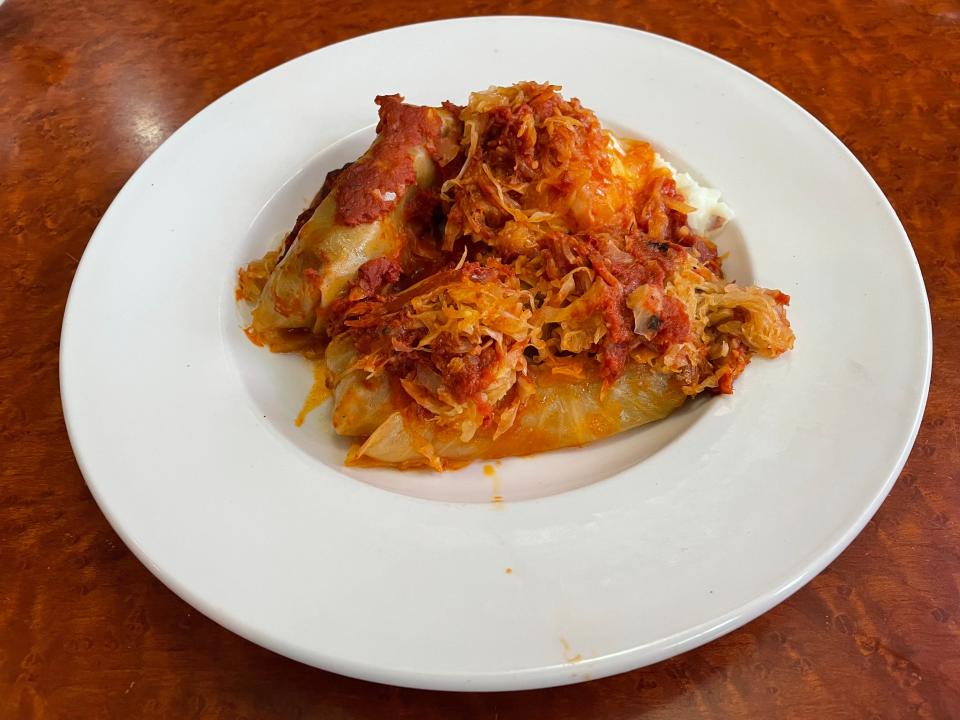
(88, 90)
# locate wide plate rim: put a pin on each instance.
(533, 677)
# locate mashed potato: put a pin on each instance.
(711, 212)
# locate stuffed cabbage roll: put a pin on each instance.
(507, 278)
(559, 412)
(361, 216)
(466, 364)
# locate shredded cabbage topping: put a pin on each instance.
(546, 246)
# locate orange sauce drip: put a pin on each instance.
(318, 393)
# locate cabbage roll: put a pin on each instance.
(507, 278)
(361, 218)
(560, 412)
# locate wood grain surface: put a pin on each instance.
(88, 90)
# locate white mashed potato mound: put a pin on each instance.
(711, 212)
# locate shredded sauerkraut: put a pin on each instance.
(547, 248)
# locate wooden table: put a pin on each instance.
(89, 90)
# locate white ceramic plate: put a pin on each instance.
(622, 553)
